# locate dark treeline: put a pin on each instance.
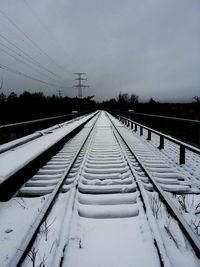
(126, 102)
(28, 106)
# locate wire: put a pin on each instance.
(38, 19)
(31, 59)
(25, 63)
(27, 37)
(4, 67)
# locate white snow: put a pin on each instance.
(13, 161)
(16, 215)
(100, 220)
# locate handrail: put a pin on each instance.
(23, 123)
(182, 146)
(166, 117)
(10, 132)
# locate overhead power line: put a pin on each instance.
(28, 57)
(9, 69)
(24, 62)
(80, 86)
(40, 21)
(27, 37)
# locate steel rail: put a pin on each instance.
(23, 140)
(157, 238)
(16, 179)
(192, 238)
(19, 130)
(29, 239)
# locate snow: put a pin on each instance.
(30, 137)
(100, 220)
(155, 164)
(175, 176)
(13, 161)
(110, 242)
(17, 215)
(170, 154)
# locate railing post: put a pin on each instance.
(182, 155)
(141, 130)
(161, 146)
(131, 125)
(135, 130)
(149, 135)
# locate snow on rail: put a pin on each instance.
(20, 141)
(14, 160)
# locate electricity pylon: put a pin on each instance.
(80, 86)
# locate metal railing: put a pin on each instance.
(182, 146)
(13, 131)
(186, 130)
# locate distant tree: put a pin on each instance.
(134, 99)
(196, 99)
(123, 98)
(12, 97)
(2, 98)
(152, 101)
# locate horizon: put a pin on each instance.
(150, 48)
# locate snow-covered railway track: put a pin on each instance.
(20, 163)
(155, 179)
(41, 193)
(109, 211)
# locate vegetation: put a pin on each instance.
(28, 106)
(125, 102)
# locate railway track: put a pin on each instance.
(103, 200)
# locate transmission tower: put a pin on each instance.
(80, 86)
(59, 93)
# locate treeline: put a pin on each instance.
(125, 102)
(28, 106)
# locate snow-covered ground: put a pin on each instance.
(188, 203)
(99, 220)
(13, 160)
(18, 214)
(170, 154)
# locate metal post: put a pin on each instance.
(131, 125)
(161, 146)
(182, 155)
(141, 130)
(135, 130)
(149, 135)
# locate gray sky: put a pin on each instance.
(147, 47)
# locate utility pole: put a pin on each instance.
(60, 93)
(80, 85)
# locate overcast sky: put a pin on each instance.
(147, 47)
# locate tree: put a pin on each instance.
(196, 99)
(134, 99)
